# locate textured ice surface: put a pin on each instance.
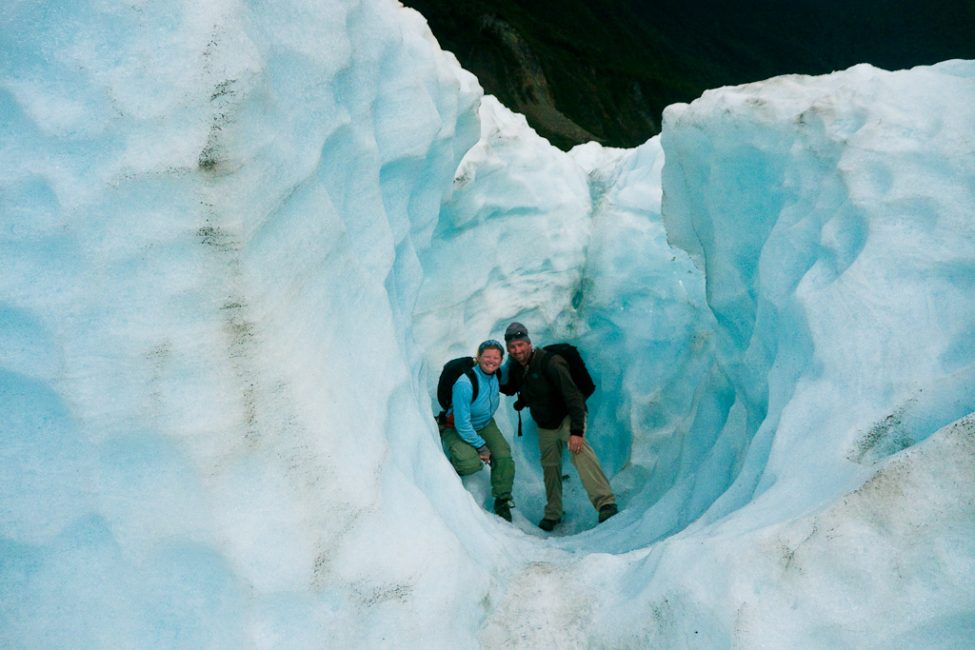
(237, 242)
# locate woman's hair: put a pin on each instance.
(490, 343)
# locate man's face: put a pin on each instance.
(520, 351)
(489, 360)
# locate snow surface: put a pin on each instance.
(238, 241)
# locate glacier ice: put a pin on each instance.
(237, 242)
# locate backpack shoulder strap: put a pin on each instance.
(474, 382)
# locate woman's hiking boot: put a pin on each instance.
(502, 508)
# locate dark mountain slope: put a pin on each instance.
(604, 71)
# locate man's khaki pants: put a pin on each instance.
(550, 443)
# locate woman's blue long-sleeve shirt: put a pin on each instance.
(469, 417)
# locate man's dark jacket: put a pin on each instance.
(548, 390)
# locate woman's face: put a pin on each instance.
(489, 360)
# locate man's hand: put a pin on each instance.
(484, 454)
(575, 443)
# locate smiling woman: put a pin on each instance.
(470, 436)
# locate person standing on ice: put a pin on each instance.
(558, 408)
(473, 437)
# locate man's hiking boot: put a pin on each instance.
(607, 511)
(502, 508)
(547, 524)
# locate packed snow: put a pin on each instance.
(238, 242)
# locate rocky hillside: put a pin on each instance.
(583, 71)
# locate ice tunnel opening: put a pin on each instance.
(662, 422)
(656, 478)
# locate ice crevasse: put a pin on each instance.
(238, 241)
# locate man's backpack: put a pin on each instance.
(452, 370)
(577, 367)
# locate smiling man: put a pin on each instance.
(474, 438)
(544, 384)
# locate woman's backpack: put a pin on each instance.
(452, 370)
